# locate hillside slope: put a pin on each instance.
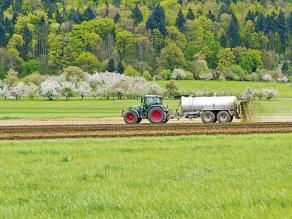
(207, 39)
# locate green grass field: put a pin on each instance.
(90, 108)
(181, 177)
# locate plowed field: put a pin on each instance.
(102, 131)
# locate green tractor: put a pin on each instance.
(151, 108)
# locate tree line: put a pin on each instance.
(228, 40)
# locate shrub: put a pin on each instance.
(270, 93)
(171, 89)
(73, 74)
(283, 79)
(30, 67)
(229, 75)
(132, 72)
(208, 76)
(267, 78)
(178, 74)
(252, 77)
(188, 76)
(238, 71)
(11, 78)
(34, 78)
(165, 74)
(147, 75)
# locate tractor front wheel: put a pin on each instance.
(131, 117)
(157, 115)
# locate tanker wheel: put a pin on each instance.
(131, 117)
(224, 117)
(215, 120)
(208, 117)
(157, 115)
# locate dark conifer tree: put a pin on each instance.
(260, 24)
(250, 16)
(271, 23)
(9, 27)
(59, 17)
(75, 17)
(42, 32)
(211, 16)
(111, 66)
(17, 6)
(190, 14)
(64, 14)
(117, 3)
(120, 68)
(282, 30)
(3, 40)
(157, 20)
(88, 14)
(180, 21)
(180, 2)
(223, 41)
(5, 4)
(27, 38)
(137, 15)
(117, 18)
(233, 37)
(290, 22)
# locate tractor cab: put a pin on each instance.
(150, 100)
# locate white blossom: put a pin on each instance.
(84, 89)
(178, 74)
(20, 90)
(50, 88)
(283, 79)
(267, 77)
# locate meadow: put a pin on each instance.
(97, 108)
(246, 176)
(90, 108)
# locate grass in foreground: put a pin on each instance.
(205, 176)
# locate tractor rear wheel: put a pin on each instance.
(131, 117)
(208, 117)
(157, 115)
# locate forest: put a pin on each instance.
(160, 40)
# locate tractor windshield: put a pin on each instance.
(152, 101)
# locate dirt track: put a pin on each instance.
(102, 131)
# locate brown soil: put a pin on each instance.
(121, 130)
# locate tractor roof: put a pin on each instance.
(153, 96)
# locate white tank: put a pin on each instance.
(194, 104)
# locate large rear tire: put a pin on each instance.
(208, 117)
(223, 117)
(157, 115)
(131, 117)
